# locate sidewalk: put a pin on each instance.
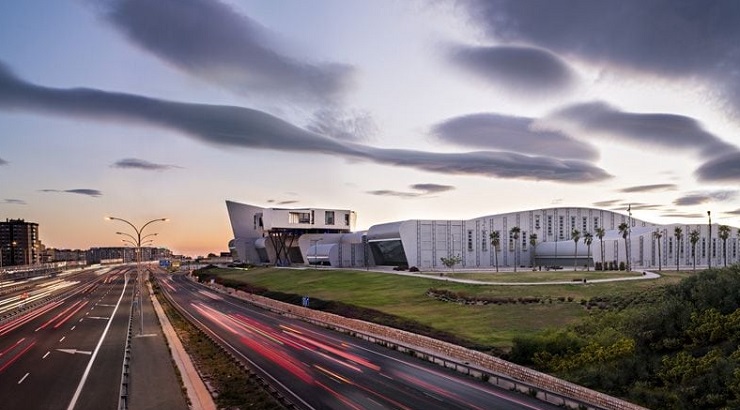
(153, 381)
(646, 275)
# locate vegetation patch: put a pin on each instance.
(674, 349)
(464, 298)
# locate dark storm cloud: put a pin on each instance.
(649, 188)
(699, 198)
(725, 168)
(683, 215)
(398, 194)
(679, 38)
(607, 204)
(528, 70)
(735, 212)
(343, 125)
(626, 207)
(80, 191)
(3, 162)
(509, 133)
(14, 201)
(273, 201)
(640, 206)
(135, 163)
(210, 40)
(426, 190)
(667, 131)
(432, 188)
(232, 126)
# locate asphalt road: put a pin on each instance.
(318, 368)
(67, 354)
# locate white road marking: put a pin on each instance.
(47, 353)
(60, 340)
(76, 396)
(23, 378)
(75, 351)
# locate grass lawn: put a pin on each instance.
(493, 325)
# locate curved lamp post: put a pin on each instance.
(137, 241)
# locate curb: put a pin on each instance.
(199, 396)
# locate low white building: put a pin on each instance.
(322, 236)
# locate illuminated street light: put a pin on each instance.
(709, 254)
(137, 241)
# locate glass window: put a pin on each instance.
(329, 217)
(561, 226)
(524, 240)
(299, 218)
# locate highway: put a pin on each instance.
(68, 353)
(316, 368)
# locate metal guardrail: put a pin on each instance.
(123, 399)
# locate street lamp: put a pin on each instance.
(628, 248)
(709, 254)
(137, 242)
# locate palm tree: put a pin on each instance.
(600, 232)
(533, 243)
(657, 235)
(495, 242)
(678, 233)
(724, 233)
(575, 235)
(624, 230)
(694, 238)
(588, 239)
(514, 232)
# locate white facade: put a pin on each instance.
(272, 235)
(422, 243)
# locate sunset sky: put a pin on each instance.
(394, 109)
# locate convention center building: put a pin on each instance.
(562, 237)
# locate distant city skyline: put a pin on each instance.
(396, 110)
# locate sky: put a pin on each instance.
(408, 109)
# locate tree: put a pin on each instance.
(588, 239)
(657, 235)
(495, 242)
(678, 233)
(724, 233)
(514, 232)
(624, 230)
(533, 243)
(694, 238)
(575, 235)
(451, 261)
(600, 232)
